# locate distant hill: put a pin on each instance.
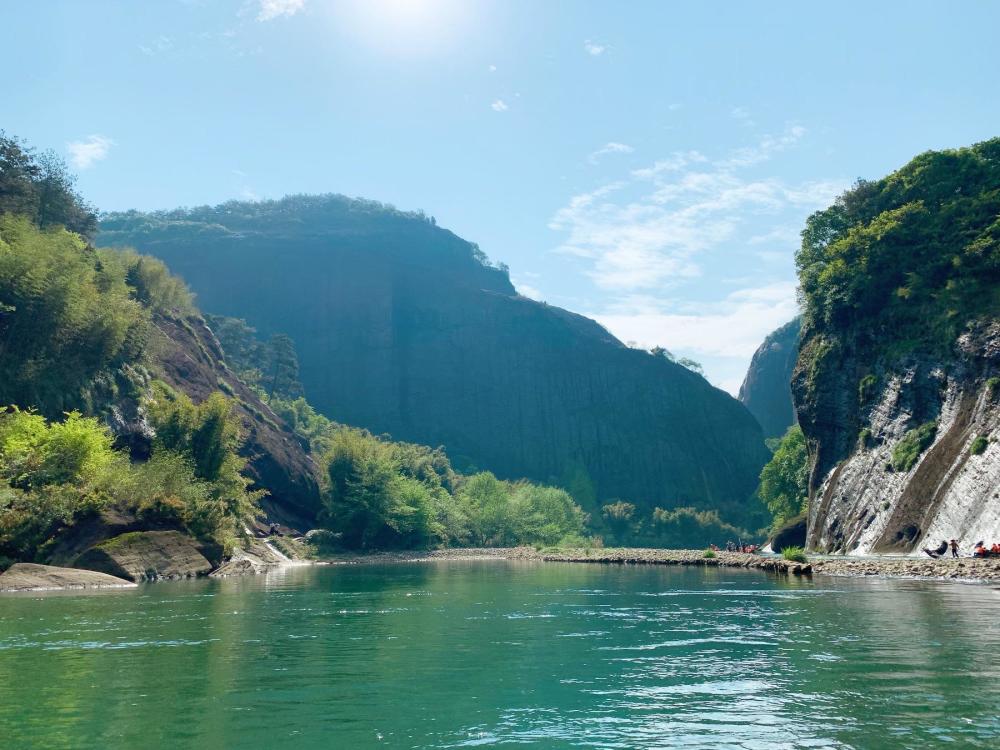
(766, 389)
(402, 327)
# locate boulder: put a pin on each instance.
(32, 577)
(147, 555)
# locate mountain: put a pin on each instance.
(767, 391)
(403, 327)
(897, 385)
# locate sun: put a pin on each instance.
(406, 26)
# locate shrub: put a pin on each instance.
(914, 443)
(864, 437)
(979, 445)
(866, 388)
(794, 554)
(708, 554)
(993, 387)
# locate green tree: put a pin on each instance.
(619, 517)
(283, 364)
(784, 481)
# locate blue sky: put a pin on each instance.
(646, 163)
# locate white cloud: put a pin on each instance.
(499, 106)
(83, 154)
(157, 46)
(646, 232)
(593, 48)
(727, 332)
(493, 69)
(611, 147)
(742, 114)
(529, 291)
(268, 10)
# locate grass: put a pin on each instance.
(866, 388)
(864, 437)
(708, 554)
(915, 442)
(979, 445)
(993, 387)
(794, 554)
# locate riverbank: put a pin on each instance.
(963, 569)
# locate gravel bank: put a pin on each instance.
(962, 569)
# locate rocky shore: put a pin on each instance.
(962, 569)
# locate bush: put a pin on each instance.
(908, 450)
(979, 445)
(993, 387)
(708, 554)
(794, 554)
(54, 473)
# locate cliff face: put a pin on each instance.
(766, 391)
(860, 502)
(401, 328)
(897, 385)
(188, 357)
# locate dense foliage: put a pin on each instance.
(685, 528)
(379, 493)
(908, 450)
(913, 256)
(54, 473)
(329, 214)
(39, 187)
(784, 482)
(72, 318)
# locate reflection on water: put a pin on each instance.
(467, 654)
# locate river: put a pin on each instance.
(492, 653)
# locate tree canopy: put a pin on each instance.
(40, 187)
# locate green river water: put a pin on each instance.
(470, 654)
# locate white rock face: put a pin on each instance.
(863, 506)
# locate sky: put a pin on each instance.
(648, 164)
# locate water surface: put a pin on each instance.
(478, 654)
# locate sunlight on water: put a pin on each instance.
(475, 654)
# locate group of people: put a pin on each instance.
(980, 550)
(736, 547)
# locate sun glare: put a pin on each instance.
(406, 27)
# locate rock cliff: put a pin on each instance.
(188, 357)
(766, 391)
(897, 385)
(402, 327)
(863, 501)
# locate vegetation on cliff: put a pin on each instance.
(55, 473)
(907, 261)
(77, 326)
(900, 284)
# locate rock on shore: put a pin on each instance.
(147, 555)
(32, 577)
